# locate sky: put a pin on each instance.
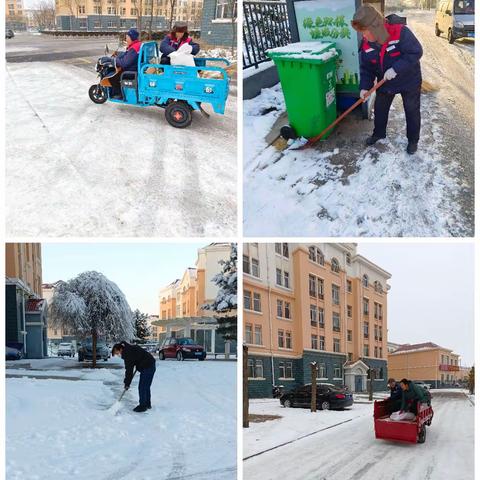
(139, 269)
(432, 293)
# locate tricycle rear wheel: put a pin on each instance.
(97, 94)
(422, 435)
(179, 114)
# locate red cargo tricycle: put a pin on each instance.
(411, 431)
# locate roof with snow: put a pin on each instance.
(35, 305)
(417, 347)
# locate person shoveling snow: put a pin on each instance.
(136, 357)
(390, 51)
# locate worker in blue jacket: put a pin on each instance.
(395, 400)
(391, 51)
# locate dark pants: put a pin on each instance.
(393, 405)
(146, 378)
(411, 105)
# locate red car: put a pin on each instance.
(181, 348)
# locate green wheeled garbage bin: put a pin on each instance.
(307, 72)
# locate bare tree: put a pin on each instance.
(232, 6)
(172, 4)
(138, 5)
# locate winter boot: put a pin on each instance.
(412, 148)
(149, 405)
(140, 408)
(372, 140)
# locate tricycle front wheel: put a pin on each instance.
(179, 114)
(97, 94)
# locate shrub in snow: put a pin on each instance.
(91, 304)
(226, 301)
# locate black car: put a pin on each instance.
(329, 397)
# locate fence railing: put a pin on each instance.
(265, 26)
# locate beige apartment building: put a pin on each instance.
(25, 309)
(15, 18)
(181, 312)
(428, 362)
(91, 15)
(313, 302)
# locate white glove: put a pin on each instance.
(390, 74)
(363, 93)
(185, 48)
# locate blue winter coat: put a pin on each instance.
(402, 52)
(170, 45)
(396, 392)
(128, 61)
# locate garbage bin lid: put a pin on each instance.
(308, 51)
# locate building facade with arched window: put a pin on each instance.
(311, 302)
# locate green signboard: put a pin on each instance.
(330, 21)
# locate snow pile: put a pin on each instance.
(63, 429)
(301, 47)
(388, 193)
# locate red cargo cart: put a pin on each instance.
(411, 431)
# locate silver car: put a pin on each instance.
(456, 19)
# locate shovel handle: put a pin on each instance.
(315, 139)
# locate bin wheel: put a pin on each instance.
(97, 94)
(422, 435)
(288, 133)
(365, 111)
(179, 114)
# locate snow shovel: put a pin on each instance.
(313, 140)
(116, 406)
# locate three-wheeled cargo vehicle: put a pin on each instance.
(411, 431)
(178, 89)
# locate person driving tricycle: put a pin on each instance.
(127, 61)
(178, 39)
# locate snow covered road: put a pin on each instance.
(350, 451)
(62, 429)
(342, 188)
(74, 168)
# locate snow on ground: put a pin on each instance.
(295, 423)
(75, 168)
(341, 188)
(351, 452)
(63, 429)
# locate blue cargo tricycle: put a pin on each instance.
(178, 89)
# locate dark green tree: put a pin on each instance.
(142, 330)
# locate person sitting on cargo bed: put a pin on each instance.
(395, 400)
(390, 51)
(178, 37)
(127, 61)
(411, 394)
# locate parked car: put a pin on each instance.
(426, 386)
(455, 18)
(13, 354)
(66, 349)
(9, 34)
(149, 347)
(329, 397)
(181, 348)
(85, 351)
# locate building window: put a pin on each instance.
(376, 332)
(314, 342)
(97, 9)
(375, 352)
(285, 250)
(337, 371)
(335, 266)
(365, 329)
(365, 350)
(335, 294)
(349, 311)
(348, 259)
(313, 316)
(278, 248)
(281, 339)
(257, 305)
(133, 11)
(255, 368)
(279, 277)
(247, 300)
(251, 266)
(81, 9)
(246, 264)
(349, 286)
(316, 255)
(322, 370)
(336, 321)
(280, 308)
(380, 336)
(282, 249)
(288, 340)
(111, 11)
(287, 310)
(336, 345)
(286, 369)
(321, 317)
(286, 279)
(255, 268)
(349, 335)
(365, 281)
(312, 286)
(248, 333)
(378, 287)
(365, 306)
(321, 343)
(258, 335)
(350, 356)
